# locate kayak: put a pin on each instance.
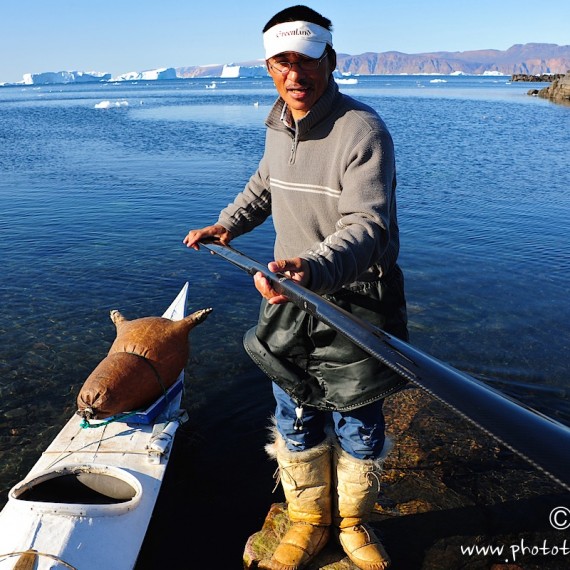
(87, 502)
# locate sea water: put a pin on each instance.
(99, 184)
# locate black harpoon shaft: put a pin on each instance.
(538, 439)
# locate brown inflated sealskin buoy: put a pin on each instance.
(145, 359)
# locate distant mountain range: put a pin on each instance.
(531, 59)
(521, 59)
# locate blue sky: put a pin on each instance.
(134, 35)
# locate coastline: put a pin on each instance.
(542, 78)
(558, 91)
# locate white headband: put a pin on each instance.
(300, 37)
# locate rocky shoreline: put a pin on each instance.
(541, 78)
(558, 91)
(448, 488)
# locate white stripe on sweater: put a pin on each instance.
(311, 188)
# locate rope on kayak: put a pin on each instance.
(28, 557)
(116, 418)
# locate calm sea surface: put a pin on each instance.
(99, 184)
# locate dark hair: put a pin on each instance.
(295, 13)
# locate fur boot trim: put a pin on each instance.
(277, 447)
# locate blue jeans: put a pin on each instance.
(360, 432)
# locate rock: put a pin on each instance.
(447, 487)
(540, 78)
(558, 91)
(262, 544)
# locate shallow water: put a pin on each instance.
(96, 202)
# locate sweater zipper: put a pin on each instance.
(292, 155)
(293, 149)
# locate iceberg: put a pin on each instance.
(232, 70)
(54, 77)
(149, 75)
(111, 104)
(344, 78)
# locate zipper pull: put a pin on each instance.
(298, 425)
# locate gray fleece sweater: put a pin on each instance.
(329, 184)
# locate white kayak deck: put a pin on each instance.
(87, 502)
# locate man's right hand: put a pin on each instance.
(296, 269)
(216, 233)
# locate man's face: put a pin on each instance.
(301, 87)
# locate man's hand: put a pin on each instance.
(297, 269)
(216, 232)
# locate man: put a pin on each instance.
(328, 179)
